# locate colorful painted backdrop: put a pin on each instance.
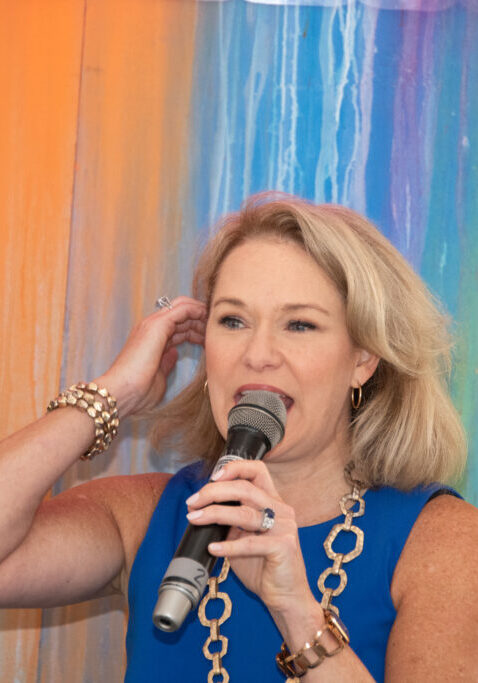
(128, 126)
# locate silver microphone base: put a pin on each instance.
(172, 608)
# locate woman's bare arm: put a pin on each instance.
(435, 589)
(78, 544)
(74, 546)
(82, 543)
(30, 462)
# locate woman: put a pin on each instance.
(311, 303)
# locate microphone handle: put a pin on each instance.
(188, 572)
(196, 539)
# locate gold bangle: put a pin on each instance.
(100, 406)
(298, 664)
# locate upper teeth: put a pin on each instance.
(243, 393)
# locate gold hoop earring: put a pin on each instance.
(356, 402)
(205, 388)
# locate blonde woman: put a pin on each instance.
(367, 571)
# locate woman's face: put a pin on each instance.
(278, 323)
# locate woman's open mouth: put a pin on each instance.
(242, 391)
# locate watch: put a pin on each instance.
(314, 653)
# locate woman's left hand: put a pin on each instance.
(268, 563)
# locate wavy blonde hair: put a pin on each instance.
(406, 431)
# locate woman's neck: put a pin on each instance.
(313, 488)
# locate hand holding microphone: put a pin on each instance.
(256, 424)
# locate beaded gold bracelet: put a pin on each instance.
(99, 405)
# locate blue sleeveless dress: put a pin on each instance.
(365, 604)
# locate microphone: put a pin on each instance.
(255, 425)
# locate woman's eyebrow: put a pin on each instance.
(285, 307)
(294, 307)
(226, 300)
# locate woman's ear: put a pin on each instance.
(366, 365)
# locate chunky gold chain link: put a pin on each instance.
(215, 636)
(347, 505)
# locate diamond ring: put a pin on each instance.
(163, 302)
(268, 520)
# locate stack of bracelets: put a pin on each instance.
(99, 405)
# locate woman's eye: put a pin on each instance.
(231, 322)
(300, 326)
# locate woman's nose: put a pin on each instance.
(262, 351)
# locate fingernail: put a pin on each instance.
(218, 473)
(194, 514)
(215, 547)
(192, 499)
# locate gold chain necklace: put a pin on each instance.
(347, 505)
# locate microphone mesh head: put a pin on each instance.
(261, 410)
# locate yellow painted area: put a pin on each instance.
(93, 135)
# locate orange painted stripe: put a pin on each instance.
(40, 56)
(40, 51)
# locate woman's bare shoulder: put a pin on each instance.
(123, 494)
(157, 481)
(444, 536)
(435, 589)
(136, 494)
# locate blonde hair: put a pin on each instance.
(406, 431)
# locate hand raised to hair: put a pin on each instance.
(138, 376)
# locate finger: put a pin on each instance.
(178, 300)
(254, 471)
(168, 361)
(196, 325)
(191, 336)
(167, 321)
(237, 490)
(182, 308)
(197, 328)
(191, 330)
(158, 329)
(241, 516)
(251, 545)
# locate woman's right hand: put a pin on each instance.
(138, 376)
